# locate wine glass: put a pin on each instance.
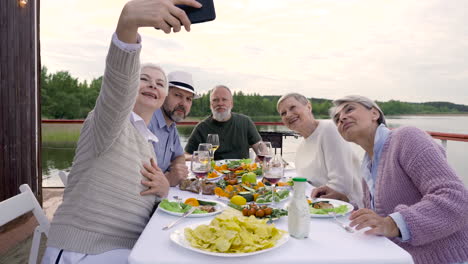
(265, 152)
(273, 172)
(200, 166)
(206, 147)
(214, 140)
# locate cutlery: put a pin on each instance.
(179, 200)
(180, 218)
(344, 226)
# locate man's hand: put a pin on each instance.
(161, 14)
(384, 226)
(157, 182)
(327, 192)
(177, 173)
(188, 156)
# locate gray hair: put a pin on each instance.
(221, 86)
(156, 67)
(362, 100)
(299, 97)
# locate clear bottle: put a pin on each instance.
(298, 211)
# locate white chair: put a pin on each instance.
(19, 205)
(64, 177)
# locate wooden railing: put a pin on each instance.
(444, 137)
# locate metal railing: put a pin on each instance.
(444, 137)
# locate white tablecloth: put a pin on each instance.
(327, 243)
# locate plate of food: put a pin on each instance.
(257, 195)
(204, 207)
(193, 185)
(214, 176)
(321, 207)
(227, 242)
(260, 211)
(265, 195)
(237, 167)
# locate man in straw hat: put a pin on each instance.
(176, 107)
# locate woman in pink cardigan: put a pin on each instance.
(411, 194)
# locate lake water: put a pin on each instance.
(59, 156)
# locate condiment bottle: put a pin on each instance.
(298, 211)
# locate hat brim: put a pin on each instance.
(195, 95)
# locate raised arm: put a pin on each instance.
(161, 14)
(121, 77)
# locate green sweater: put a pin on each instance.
(102, 207)
(235, 136)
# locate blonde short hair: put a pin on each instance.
(156, 67)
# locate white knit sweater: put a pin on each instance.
(324, 158)
(102, 207)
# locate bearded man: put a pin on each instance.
(176, 107)
(236, 131)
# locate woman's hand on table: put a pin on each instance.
(384, 226)
(327, 192)
(156, 182)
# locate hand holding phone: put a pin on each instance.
(202, 14)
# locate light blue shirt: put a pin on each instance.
(369, 169)
(168, 148)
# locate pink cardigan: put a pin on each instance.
(415, 179)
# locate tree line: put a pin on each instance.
(65, 97)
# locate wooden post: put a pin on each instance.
(20, 137)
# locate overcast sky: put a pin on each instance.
(408, 50)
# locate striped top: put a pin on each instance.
(102, 207)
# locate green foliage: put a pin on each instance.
(64, 97)
(395, 107)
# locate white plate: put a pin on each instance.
(282, 200)
(269, 203)
(222, 198)
(178, 237)
(335, 203)
(220, 176)
(219, 207)
(224, 161)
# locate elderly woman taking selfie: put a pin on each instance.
(411, 194)
(115, 183)
(323, 157)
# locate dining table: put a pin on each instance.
(327, 242)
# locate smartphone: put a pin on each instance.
(199, 15)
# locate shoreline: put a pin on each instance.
(440, 114)
(198, 118)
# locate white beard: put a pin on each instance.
(221, 116)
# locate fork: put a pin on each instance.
(344, 226)
(180, 218)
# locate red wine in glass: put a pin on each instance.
(200, 174)
(261, 157)
(266, 158)
(274, 179)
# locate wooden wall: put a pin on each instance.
(19, 98)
